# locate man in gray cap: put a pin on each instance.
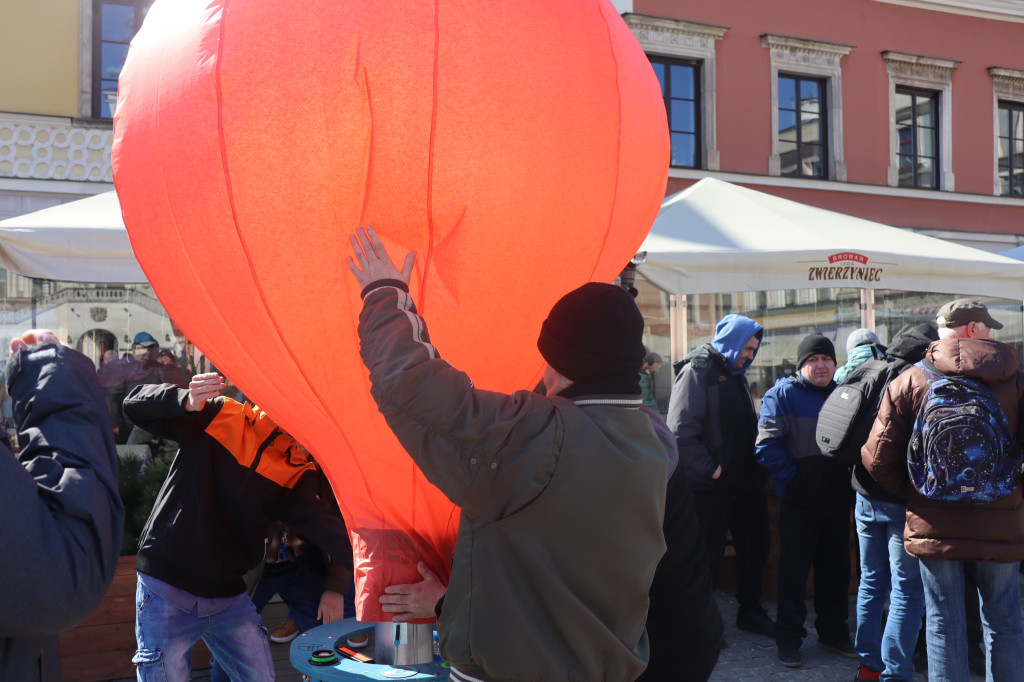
(950, 537)
(965, 318)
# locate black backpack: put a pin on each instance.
(845, 420)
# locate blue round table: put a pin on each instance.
(331, 637)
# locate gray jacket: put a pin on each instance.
(61, 516)
(562, 504)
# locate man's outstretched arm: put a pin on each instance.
(463, 439)
(61, 515)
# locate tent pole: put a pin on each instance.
(677, 326)
(867, 309)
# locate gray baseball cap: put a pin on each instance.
(964, 311)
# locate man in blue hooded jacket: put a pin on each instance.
(713, 418)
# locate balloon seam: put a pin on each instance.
(618, 141)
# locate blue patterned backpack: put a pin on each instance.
(962, 449)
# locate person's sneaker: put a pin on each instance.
(866, 674)
(358, 642)
(840, 645)
(755, 620)
(790, 657)
(285, 632)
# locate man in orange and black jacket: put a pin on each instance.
(234, 473)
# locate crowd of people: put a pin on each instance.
(592, 530)
(938, 531)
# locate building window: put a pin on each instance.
(115, 23)
(682, 54)
(1011, 150)
(917, 129)
(1008, 101)
(920, 115)
(802, 127)
(807, 107)
(680, 86)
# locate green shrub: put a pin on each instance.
(139, 481)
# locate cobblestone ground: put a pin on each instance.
(749, 656)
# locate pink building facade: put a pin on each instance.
(906, 112)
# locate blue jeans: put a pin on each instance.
(166, 635)
(300, 582)
(946, 630)
(887, 573)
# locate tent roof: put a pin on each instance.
(81, 241)
(718, 237)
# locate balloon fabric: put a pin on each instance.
(519, 146)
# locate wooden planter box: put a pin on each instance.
(101, 647)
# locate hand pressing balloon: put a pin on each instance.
(415, 601)
(374, 264)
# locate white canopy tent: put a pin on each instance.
(716, 237)
(81, 241)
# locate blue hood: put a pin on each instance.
(731, 335)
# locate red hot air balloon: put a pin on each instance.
(519, 146)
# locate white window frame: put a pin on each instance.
(687, 40)
(1007, 86)
(923, 73)
(802, 57)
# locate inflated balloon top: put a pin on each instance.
(520, 147)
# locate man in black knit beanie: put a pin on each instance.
(562, 496)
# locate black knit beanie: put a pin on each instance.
(594, 332)
(814, 344)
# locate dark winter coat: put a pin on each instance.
(61, 513)
(906, 349)
(231, 477)
(787, 447)
(711, 412)
(683, 622)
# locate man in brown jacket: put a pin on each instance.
(948, 537)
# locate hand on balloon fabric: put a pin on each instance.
(415, 601)
(332, 607)
(203, 387)
(34, 337)
(373, 261)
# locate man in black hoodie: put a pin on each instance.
(887, 572)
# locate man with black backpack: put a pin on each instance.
(887, 572)
(945, 439)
